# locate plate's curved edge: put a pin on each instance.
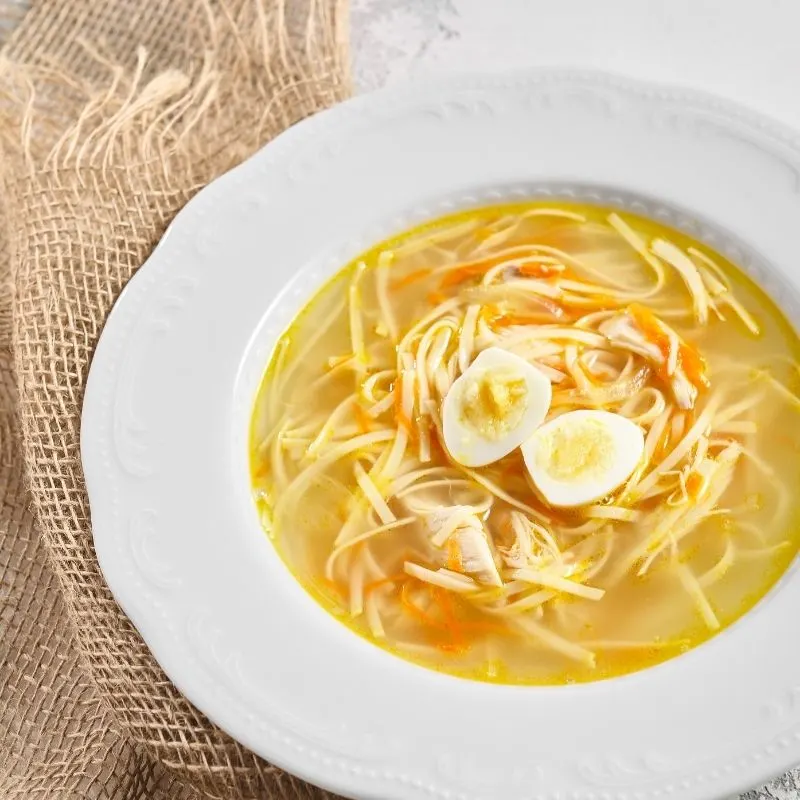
(123, 313)
(348, 113)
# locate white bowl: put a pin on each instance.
(168, 403)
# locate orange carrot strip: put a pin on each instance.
(399, 416)
(693, 484)
(403, 420)
(461, 274)
(412, 277)
(505, 320)
(397, 388)
(694, 365)
(444, 602)
(454, 561)
(543, 271)
(415, 610)
(689, 359)
(370, 586)
(363, 419)
(472, 269)
(650, 326)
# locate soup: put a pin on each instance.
(533, 444)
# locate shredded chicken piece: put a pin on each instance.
(443, 521)
(532, 545)
(466, 548)
(623, 331)
(684, 390)
(520, 553)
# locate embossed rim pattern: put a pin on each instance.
(169, 397)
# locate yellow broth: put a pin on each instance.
(303, 412)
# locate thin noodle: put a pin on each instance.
(382, 285)
(362, 537)
(692, 586)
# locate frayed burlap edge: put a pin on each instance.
(111, 117)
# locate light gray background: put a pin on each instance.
(747, 50)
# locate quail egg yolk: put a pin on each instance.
(493, 402)
(585, 450)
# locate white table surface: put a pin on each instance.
(746, 50)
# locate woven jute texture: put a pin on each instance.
(113, 113)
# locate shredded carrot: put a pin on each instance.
(689, 359)
(454, 561)
(436, 298)
(473, 269)
(444, 602)
(694, 365)
(694, 483)
(436, 446)
(478, 269)
(403, 420)
(457, 627)
(397, 388)
(505, 320)
(261, 470)
(461, 274)
(415, 610)
(406, 423)
(412, 277)
(650, 326)
(601, 302)
(646, 320)
(363, 419)
(498, 319)
(399, 416)
(662, 446)
(449, 625)
(487, 313)
(543, 271)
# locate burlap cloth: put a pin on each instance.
(112, 114)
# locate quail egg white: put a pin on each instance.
(493, 407)
(582, 456)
